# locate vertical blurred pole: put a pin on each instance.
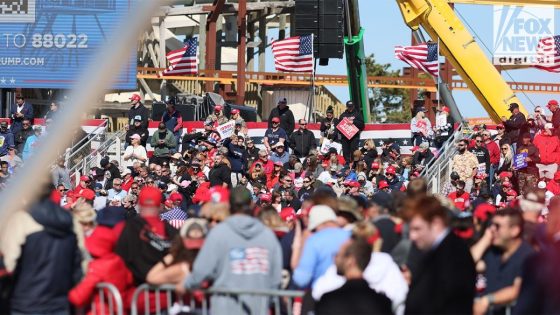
(162, 52)
(94, 80)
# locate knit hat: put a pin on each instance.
(193, 232)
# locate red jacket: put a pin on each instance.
(549, 148)
(554, 187)
(462, 202)
(106, 266)
(494, 151)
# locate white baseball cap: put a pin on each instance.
(320, 214)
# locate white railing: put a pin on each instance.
(438, 170)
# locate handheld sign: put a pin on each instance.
(519, 161)
(327, 144)
(347, 128)
(226, 130)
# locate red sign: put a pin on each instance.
(347, 128)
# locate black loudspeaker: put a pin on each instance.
(158, 108)
(187, 111)
(325, 20)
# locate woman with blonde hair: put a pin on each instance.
(506, 159)
(369, 151)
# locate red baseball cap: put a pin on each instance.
(505, 175)
(234, 111)
(382, 184)
(288, 214)
(445, 109)
(483, 210)
(375, 165)
(149, 197)
(176, 197)
(265, 197)
(354, 183)
(552, 102)
(217, 108)
(278, 163)
(506, 184)
(135, 97)
(391, 170)
(500, 126)
(85, 178)
(512, 192)
(276, 119)
(88, 194)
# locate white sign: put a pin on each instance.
(327, 144)
(518, 31)
(226, 130)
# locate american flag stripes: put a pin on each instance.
(548, 54)
(294, 54)
(422, 57)
(183, 61)
(176, 217)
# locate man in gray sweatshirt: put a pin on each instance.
(241, 254)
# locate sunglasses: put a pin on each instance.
(504, 149)
(134, 187)
(306, 182)
(478, 141)
(288, 180)
(303, 124)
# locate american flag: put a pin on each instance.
(176, 217)
(548, 54)
(422, 57)
(183, 61)
(249, 261)
(294, 54)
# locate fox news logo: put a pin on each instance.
(517, 32)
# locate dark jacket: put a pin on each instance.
(219, 174)
(513, 125)
(17, 123)
(328, 127)
(541, 283)
(21, 137)
(302, 142)
(358, 121)
(445, 281)
(141, 131)
(236, 156)
(48, 265)
(141, 111)
(140, 248)
(556, 121)
(355, 297)
(287, 121)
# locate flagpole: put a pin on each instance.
(438, 80)
(312, 102)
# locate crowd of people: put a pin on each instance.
(355, 228)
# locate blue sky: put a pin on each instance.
(385, 29)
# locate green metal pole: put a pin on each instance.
(357, 72)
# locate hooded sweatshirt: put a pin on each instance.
(242, 254)
(41, 250)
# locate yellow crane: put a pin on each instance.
(461, 49)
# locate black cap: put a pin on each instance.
(454, 176)
(349, 103)
(513, 105)
(382, 199)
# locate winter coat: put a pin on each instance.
(549, 148)
(302, 142)
(106, 266)
(40, 248)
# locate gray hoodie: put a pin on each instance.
(243, 254)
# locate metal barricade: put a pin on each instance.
(109, 301)
(277, 301)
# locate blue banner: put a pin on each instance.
(48, 43)
(520, 161)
